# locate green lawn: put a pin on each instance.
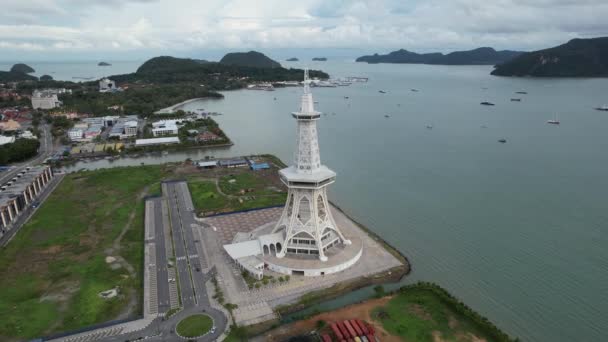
(194, 326)
(418, 311)
(52, 271)
(207, 199)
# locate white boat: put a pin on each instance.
(554, 121)
(603, 108)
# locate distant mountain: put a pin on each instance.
(46, 78)
(320, 59)
(218, 76)
(103, 64)
(24, 68)
(576, 58)
(9, 76)
(480, 56)
(249, 59)
(164, 64)
(292, 59)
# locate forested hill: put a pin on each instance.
(249, 59)
(576, 58)
(11, 76)
(480, 56)
(216, 76)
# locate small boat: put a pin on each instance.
(275, 98)
(316, 102)
(429, 126)
(387, 116)
(398, 104)
(414, 90)
(502, 141)
(603, 108)
(521, 92)
(381, 91)
(554, 121)
(346, 97)
(485, 103)
(484, 126)
(515, 100)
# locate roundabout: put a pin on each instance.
(194, 326)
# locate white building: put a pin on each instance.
(107, 85)
(157, 141)
(130, 129)
(45, 99)
(76, 134)
(6, 139)
(165, 127)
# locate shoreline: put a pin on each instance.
(177, 106)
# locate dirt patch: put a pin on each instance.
(51, 250)
(65, 290)
(419, 311)
(362, 311)
(452, 322)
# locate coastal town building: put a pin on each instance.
(47, 98)
(106, 85)
(156, 141)
(76, 134)
(306, 239)
(19, 193)
(6, 140)
(10, 125)
(124, 128)
(165, 127)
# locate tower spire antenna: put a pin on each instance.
(306, 82)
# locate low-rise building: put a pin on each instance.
(92, 132)
(6, 140)
(10, 125)
(47, 98)
(207, 136)
(165, 127)
(107, 85)
(76, 134)
(157, 141)
(27, 135)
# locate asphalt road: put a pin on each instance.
(162, 277)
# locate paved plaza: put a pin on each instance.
(256, 305)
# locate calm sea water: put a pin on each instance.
(518, 230)
(77, 70)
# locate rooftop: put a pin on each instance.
(17, 187)
(157, 141)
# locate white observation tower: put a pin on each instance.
(306, 222)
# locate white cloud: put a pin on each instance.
(121, 25)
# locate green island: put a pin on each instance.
(576, 58)
(194, 326)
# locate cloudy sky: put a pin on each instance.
(126, 28)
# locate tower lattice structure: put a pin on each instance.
(306, 222)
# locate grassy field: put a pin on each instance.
(195, 325)
(52, 271)
(247, 190)
(426, 312)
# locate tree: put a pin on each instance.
(379, 290)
